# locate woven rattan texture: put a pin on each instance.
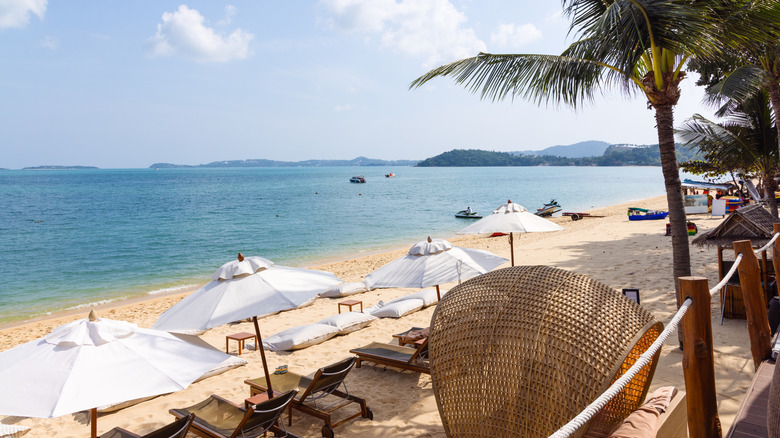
(520, 351)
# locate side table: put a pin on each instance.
(241, 338)
(350, 303)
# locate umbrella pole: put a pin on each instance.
(93, 422)
(262, 355)
(438, 295)
(512, 248)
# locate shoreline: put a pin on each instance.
(320, 264)
(148, 292)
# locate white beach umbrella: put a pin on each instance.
(95, 362)
(246, 288)
(511, 218)
(433, 262)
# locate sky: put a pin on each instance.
(119, 84)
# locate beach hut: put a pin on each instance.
(752, 223)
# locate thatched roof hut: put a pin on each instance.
(752, 223)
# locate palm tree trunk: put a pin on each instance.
(681, 256)
(771, 186)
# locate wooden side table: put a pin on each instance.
(241, 338)
(350, 303)
(259, 398)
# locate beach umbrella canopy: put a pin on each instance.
(96, 362)
(511, 218)
(246, 288)
(433, 262)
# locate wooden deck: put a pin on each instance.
(750, 421)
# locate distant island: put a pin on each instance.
(590, 148)
(613, 155)
(359, 161)
(585, 153)
(59, 168)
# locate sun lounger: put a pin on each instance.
(216, 417)
(12, 430)
(325, 382)
(406, 358)
(177, 429)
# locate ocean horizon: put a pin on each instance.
(75, 238)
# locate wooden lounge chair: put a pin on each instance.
(177, 429)
(406, 358)
(216, 417)
(323, 383)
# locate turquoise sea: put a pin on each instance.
(69, 238)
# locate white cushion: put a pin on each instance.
(12, 431)
(427, 295)
(300, 337)
(349, 322)
(396, 309)
(344, 289)
(227, 364)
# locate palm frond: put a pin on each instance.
(739, 86)
(540, 78)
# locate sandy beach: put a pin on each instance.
(609, 248)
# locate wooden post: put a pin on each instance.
(765, 277)
(755, 304)
(93, 422)
(776, 251)
(512, 248)
(698, 365)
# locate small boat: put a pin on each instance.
(548, 209)
(643, 214)
(389, 175)
(465, 214)
(357, 179)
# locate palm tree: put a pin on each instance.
(746, 140)
(759, 69)
(639, 46)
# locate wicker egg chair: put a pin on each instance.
(520, 351)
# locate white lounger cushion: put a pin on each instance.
(344, 289)
(12, 431)
(300, 337)
(349, 322)
(427, 295)
(396, 309)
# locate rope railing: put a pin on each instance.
(583, 417)
(768, 245)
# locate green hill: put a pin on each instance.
(614, 155)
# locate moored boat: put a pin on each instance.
(357, 179)
(643, 214)
(468, 214)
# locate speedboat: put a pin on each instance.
(357, 179)
(548, 209)
(389, 175)
(643, 214)
(465, 214)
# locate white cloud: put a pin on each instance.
(345, 107)
(514, 35)
(184, 32)
(16, 13)
(431, 29)
(230, 12)
(49, 43)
